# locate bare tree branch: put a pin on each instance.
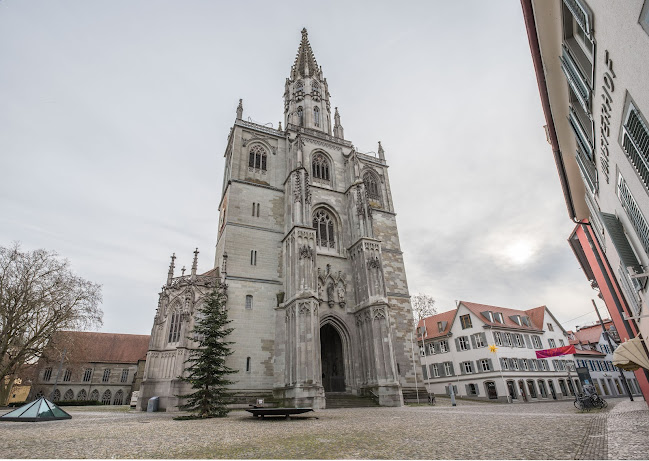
(40, 295)
(423, 306)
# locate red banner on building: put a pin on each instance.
(565, 350)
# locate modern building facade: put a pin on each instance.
(83, 365)
(308, 247)
(456, 349)
(591, 67)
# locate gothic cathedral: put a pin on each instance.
(308, 246)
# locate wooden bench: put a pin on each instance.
(260, 412)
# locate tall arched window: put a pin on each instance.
(56, 395)
(119, 397)
(94, 395)
(257, 157)
(315, 87)
(69, 395)
(107, 397)
(316, 116)
(324, 229)
(320, 167)
(174, 327)
(82, 395)
(372, 186)
(300, 116)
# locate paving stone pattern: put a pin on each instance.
(471, 430)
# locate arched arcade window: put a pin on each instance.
(320, 167)
(82, 395)
(257, 157)
(324, 229)
(107, 397)
(119, 397)
(94, 395)
(69, 395)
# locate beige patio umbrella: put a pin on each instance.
(630, 355)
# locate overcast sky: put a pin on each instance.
(114, 117)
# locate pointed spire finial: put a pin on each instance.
(304, 32)
(338, 128)
(195, 263)
(240, 109)
(280, 126)
(182, 271)
(381, 152)
(170, 274)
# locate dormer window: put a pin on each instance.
(498, 317)
(440, 327)
(516, 319)
(488, 315)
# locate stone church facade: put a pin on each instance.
(308, 246)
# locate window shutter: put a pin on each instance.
(448, 390)
(491, 367)
(455, 389)
(520, 364)
(466, 386)
(462, 372)
(476, 367)
(477, 390)
(438, 350)
(452, 369)
(457, 344)
(502, 363)
(424, 371)
(473, 341)
(441, 370)
(484, 338)
(528, 341)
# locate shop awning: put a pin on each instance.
(630, 355)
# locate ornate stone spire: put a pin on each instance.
(195, 262)
(305, 64)
(170, 274)
(338, 128)
(240, 109)
(381, 152)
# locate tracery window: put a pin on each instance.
(257, 158)
(372, 186)
(69, 395)
(320, 167)
(300, 116)
(56, 395)
(324, 229)
(107, 397)
(82, 395)
(316, 116)
(119, 397)
(315, 87)
(94, 395)
(174, 327)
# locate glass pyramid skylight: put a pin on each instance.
(38, 410)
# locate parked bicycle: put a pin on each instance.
(586, 402)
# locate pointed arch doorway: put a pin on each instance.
(333, 362)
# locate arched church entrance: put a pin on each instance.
(333, 364)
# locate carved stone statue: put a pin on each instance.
(330, 294)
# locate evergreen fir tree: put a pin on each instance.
(207, 371)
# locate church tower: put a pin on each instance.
(308, 246)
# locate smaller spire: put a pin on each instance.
(381, 152)
(182, 271)
(195, 262)
(240, 109)
(280, 127)
(170, 274)
(338, 128)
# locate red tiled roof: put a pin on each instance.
(590, 334)
(90, 346)
(431, 323)
(535, 315)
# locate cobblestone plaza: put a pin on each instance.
(468, 431)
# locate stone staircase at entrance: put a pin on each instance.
(345, 400)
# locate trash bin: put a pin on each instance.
(152, 404)
(509, 399)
